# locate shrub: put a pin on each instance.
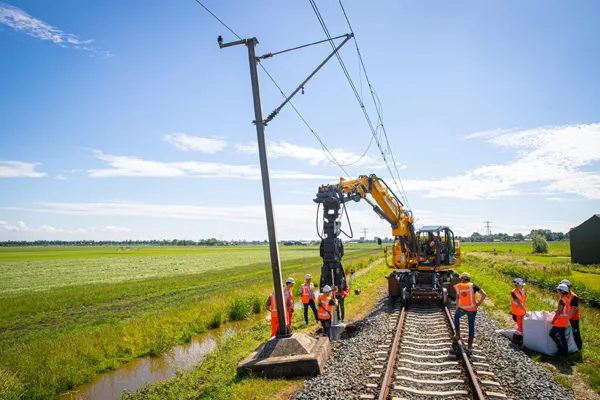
(215, 321)
(539, 244)
(257, 305)
(240, 309)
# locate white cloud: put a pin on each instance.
(127, 166)
(195, 143)
(22, 227)
(558, 199)
(60, 177)
(21, 21)
(552, 156)
(383, 165)
(292, 220)
(18, 169)
(112, 228)
(312, 155)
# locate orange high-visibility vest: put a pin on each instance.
(465, 296)
(562, 321)
(273, 307)
(522, 296)
(305, 293)
(289, 299)
(325, 307)
(572, 295)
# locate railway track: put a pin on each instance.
(419, 360)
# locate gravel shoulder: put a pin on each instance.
(349, 366)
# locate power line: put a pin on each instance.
(324, 148)
(217, 18)
(363, 108)
(379, 109)
(316, 135)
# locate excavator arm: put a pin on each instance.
(384, 203)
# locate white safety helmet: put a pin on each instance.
(308, 276)
(563, 287)
(290, 280)
(566, 282)
(519, 281)
(326, 289)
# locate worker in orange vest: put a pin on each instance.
(308, 295)
(560, 322)
(466, 304)
(340, 298)
(518, 307)
(289, 300)
(272, 307)
(326, 303)
(574, 315)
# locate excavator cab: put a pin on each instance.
(437, 247)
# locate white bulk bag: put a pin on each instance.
(536, 333)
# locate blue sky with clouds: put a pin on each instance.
(125, 119)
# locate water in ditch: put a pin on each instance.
(147, 370)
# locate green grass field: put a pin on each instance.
(70, 313)
(521, 248)
(487, 272)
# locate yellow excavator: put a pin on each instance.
(421, 259)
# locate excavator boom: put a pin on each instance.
(408, 254)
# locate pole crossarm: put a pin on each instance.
(269, 55)
(347, 36)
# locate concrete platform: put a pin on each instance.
(297, 355)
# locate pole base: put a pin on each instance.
(298, 355)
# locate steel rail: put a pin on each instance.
(389, 372)
(472, 377)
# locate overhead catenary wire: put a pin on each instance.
(330, 157)
(399, 187)
(376, 100)
(217, 18)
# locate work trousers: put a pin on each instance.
(274, 325)
(470, 317)
(558, 336)
(519, 320)
(576, 333)
(311, 304)
(340, 310)
(326, 326)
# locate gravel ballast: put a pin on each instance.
(348, 369)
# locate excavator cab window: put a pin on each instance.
(451, 248)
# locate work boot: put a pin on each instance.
(456, 337)
(470, 347)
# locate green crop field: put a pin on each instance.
(556, 248)
(70, 313)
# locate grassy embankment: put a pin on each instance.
(494, 272)
(69, 314)
(215, 378)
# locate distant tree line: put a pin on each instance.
(164, 242)
(516, 237)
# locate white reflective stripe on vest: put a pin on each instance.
(323, 312)
(521, 294)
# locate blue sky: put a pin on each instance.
(125, 119)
